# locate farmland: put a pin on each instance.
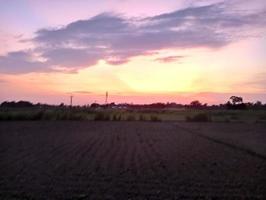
(131, 160)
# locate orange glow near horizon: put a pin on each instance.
(142, 79)
(152, 70)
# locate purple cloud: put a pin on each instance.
(20, 62)
(116, 39)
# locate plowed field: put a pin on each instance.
(123, 160)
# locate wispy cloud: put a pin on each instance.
(257, 82)
(168, 59)
(117, 39)
(2, 81)
(82, 92)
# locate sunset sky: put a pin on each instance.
(140, 51)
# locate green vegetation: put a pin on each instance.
(33, 114)
(156, 115)
(101, 116)
(155, 118)
(199, 117)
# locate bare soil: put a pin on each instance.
(249, 137)
(125, 160)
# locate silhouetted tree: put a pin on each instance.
(195, 104)
(236, 100)
(258, 104)
(19, 104)
(237, 103)
(95, 105)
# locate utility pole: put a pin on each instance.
(106, 98)
(71, 100)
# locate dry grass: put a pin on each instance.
(190, 115)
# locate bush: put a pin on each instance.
(262, 117)
(142, 118)
(155, 118)
(77, 116)
(227, 120)
(201, 117)
(234, 117)
(131, 118)
(101, 117)
(119, 118)
(116, 117)
(48, 115)
(38, 115)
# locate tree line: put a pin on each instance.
(234, 102)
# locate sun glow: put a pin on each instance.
(172, 49)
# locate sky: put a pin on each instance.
(140, 51)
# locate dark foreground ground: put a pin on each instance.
(131, 160)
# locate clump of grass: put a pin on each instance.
(262, 117)
(101, 117)
(3, 116)
(50, 115)
(142, 118)
(226, 120)
(77, 116)
(200, 117)
(43, 114)
(116, 117)
(155, 118)
(38, 115)
(10, 116)
(131, 118)
(234, 117)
